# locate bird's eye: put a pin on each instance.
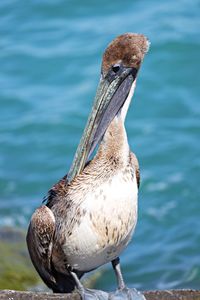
(115, 68)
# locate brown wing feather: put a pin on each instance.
(135, 163)
(39, 241)
(55, 192)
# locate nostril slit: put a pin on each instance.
(116, 68)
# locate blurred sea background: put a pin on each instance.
(50, 57)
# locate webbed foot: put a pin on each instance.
(120, 294)
(126, 294)
(90, 294)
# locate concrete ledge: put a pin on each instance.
(150, 295)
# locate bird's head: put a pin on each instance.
(126, 51)
(121, 62)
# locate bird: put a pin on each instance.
(89, 216)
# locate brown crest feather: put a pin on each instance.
(128, 48)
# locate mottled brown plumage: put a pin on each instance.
(89, 220)
(48, 231)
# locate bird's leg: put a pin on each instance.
(118, 273)
(79, 285)
(123, 292)
(88, 294)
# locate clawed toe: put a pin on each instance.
(119, 294)
(126, 294)
(89, 294)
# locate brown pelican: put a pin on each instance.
(90, 214)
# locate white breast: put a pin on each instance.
(107, 226)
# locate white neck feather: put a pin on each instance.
(127, 102)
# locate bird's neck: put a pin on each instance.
(115, 144)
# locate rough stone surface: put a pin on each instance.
(173, 295)
(150, 295)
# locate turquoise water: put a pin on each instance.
(50, 56)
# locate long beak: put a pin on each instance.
(111, 94)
